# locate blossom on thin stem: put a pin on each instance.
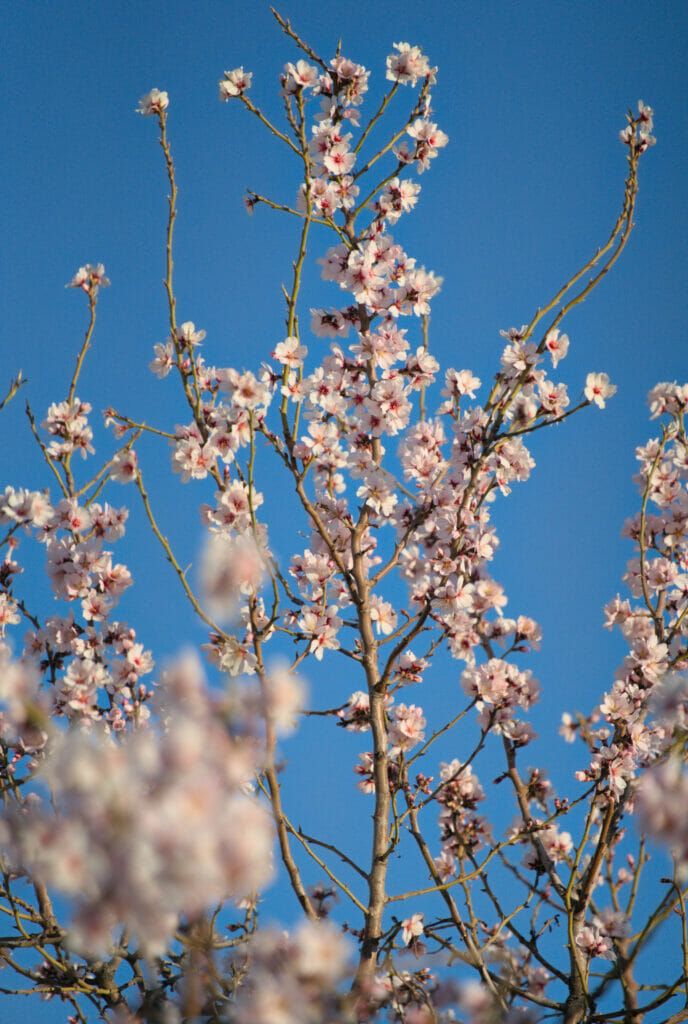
(153, 102)
(235, 83)
(89, 278)
(643, 125)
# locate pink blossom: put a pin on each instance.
(406, 728)
(235, 83)
(461, 382)
(164, 359)
(355, 714)
(285, 693)
(428, 138)
(323, 628)
(557, 345)
(231, 655)
(293, 978)
(299, 76)
(245, 390)
(67, 422)
(231, 567)
(187, 335)
(667, 398)
(598, 388)
(568, 727)
(290, 352)
(124, 466)
(153, 102)
(408, 65)
(353, 79)
(412, 928)
(9, 613)
(593, 943)
(445, 865)
(117, 848)
(90, 278)
(419, 288)
(662, 799)
(338, 159)
(398, 196)
(643, 124)
(383, 615)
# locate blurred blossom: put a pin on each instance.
(117, 848)
(231, 568)
(293, 979)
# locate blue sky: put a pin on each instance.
(532, 96)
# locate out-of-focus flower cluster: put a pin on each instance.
(152, 824)
(295, 979)
(662, 800)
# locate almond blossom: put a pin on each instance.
(598, 389)
(593, 943)
(235, 83)
(408, 65)
(90, 277)
(153, 102)
(231, 568)
(406, 728)
(557, 345)
(411, 928)
(124, 466)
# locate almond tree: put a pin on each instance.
(154, 808)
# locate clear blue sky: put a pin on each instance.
(532, 96)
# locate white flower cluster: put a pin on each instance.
(151, 825)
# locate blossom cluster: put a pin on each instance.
(461, 829)
(645, 710)
(89, 278)
(452, 464)
(293, 979)
(96, 663)
(116, 848)
(356, 398)
(68, 423)
(639, 129)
